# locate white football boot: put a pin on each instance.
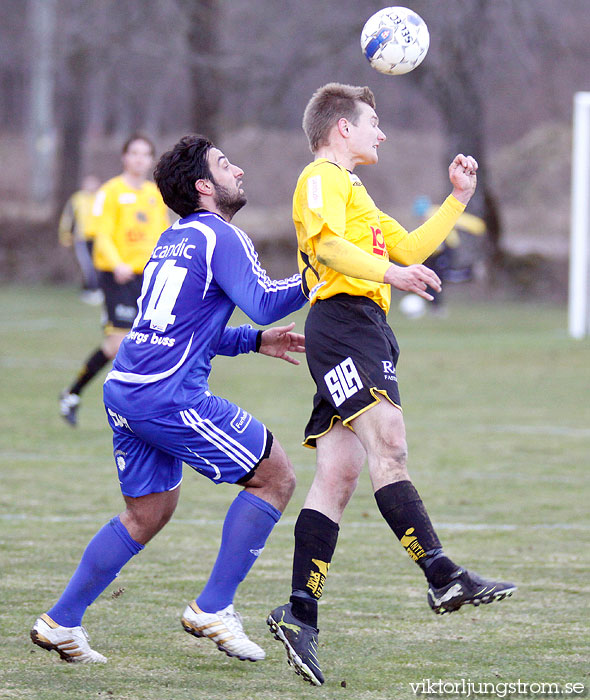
(224, 628)
(71, 643)
(68, 407)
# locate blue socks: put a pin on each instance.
(106, 554)
(248, 523)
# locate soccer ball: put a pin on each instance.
(412, 306)
(395, 40)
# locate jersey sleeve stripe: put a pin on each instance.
(263, 279)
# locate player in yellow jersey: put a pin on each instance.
(74, 231)
(346, 245)
(129, 215)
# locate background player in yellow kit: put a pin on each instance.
(345, 247)
(128, 217)
(75, 231)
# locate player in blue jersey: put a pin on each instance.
(162, 413)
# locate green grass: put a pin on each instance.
(497, 408)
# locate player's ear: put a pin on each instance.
(342, 126)
(204, 187)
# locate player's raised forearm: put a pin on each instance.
(423, 241)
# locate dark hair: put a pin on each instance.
(138, 136)
(327, 105)
(179, 169)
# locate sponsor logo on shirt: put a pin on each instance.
(152, 339)
(178, 250)
(379, 247)
(127, 198)
(314, 192)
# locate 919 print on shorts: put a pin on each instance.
(215, 437)
(343, 381)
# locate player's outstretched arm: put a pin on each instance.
(237, 271)
(280, 340)
(463, 177)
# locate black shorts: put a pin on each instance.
(352, 355)
(120, 300)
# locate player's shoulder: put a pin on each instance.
(208, 223)
(324, 168)
(323, 174)
(114, 184)
(321, 179)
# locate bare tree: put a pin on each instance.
(206, 78)
(42, 20)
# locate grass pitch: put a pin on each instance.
(496, 402)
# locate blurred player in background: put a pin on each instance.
(75, 231)
(345, 247)
(128, 217)
(162, 413)
(445, 261)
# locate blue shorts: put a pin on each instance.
(215, 437)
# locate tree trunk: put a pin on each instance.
(205, 72)
(73, 127)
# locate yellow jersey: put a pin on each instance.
(128, 223)
(330, 197)
(74, 222)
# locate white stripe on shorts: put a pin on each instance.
(224, 442)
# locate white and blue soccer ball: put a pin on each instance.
(395, 40)
(412, 306)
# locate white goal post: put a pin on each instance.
(579, 267)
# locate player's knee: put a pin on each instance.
(393, 448)
(337, 481)
(143, 524)
(274, 480)
(284, 481)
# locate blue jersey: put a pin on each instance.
(201, 269)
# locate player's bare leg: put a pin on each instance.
(382, 432)
(340, 458)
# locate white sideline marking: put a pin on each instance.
(290, 522)
(34, 363)
(565, 431)
(7, 456)
(15, 456)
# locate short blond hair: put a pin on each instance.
(329, 104)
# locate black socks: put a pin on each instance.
(93, 365)
(315, 541)
(404, 512)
